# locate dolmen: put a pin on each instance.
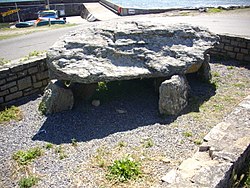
(126, 50)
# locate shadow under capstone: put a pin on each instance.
(125, 106)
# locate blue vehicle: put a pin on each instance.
(48, 14)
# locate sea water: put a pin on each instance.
(162, 4)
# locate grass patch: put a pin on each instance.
(215, 74)
(123, 170)
(4, 25)
(12, 113)
(28, 182)
(48, 146)
(59, 150)
(122, 144)
(32, 54)
(187, 134)
(197, 142)
(25, 157)
(4, 61)
(239, 85)
(214, 10)
(148, 143)
(42, 107)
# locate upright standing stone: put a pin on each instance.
(205, 71)
(57, 97)
(173, 95)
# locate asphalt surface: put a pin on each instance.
(19, 47)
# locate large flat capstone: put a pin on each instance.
(123, 50)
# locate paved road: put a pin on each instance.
(18, 47)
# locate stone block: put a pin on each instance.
(45, 82)
(26, 93)
(229, 48)
(236, 49)
(225, 40)
(34, 78)
(32, 70)
(17, 68)
(42, 75)
(231, 54)
(13, 96)
(234, 43)
(173, 95)
(242, 44)
(4, 73)
(5, 92)
(220, 46)
(7, 85)
(248, 45)
(13, 89)
(11, 78)
(22, 74)
(24, 83)
(43, 66)
(244, 51)
(38, 84)
(2, 81)
(247, 58)
(1, 100)
(239, 56)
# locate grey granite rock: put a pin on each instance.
(123, 50)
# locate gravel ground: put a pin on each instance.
(100, 130)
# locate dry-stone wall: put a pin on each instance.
(19, 79)
(233, 47)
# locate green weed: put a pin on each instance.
(214, 10)
(25, 157)
(74, 142)
(148, 143)
(28, 182)
(218, 107)
(124, 170)
(102, 86)
(197, 142)
(59, 150)
(101, 152)
(49, 146)
(42, 107)
(4, 61)
(230, 67)
(32, 54)
(122, 144)
(215, 74)
(239, 85)
(187, 134)
(12, 113)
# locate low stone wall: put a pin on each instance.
(20, 79)
(233, 47)
(223, 154)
